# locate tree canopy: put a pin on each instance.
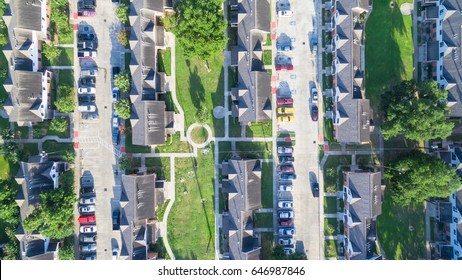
(65, 102)
(417, 176)
(123, 82)
(53, 217)
(123, 108)
(199, 27)
(59, 124)
(122, 12)
(9, 216)
(417, 110)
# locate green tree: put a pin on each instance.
(65, 104)
(126, 162)
(417, 176)
(10, 148)
(69, 156)
(59, 124)
(66, 252)
(123, 82)
(123, 108)
(51, 52)
(278, 254)
(417, 110)
(122, 12)
(199, 27)
(53, 217)
(9, 210)
(122, 37)
(7, 134)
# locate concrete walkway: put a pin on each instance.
(164, 223)
(60, 67)
(264, 210)
(263, 229)
(330, 237)
(65, 45)
(45, 138)
(330, 216)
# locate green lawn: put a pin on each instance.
(174, 145)
(27, 150)
(330, 226)
(260, 150)
(160, 166)
(4, 168)
(267, 57)
(43, 128)
(234, 127)
(165, 61)
(199, 89)
(224, 150)
(267, 243)
(401, 230)
(21, 132)
(232, 77)
(160, 210)
(330, 205)
(191, 222)
(199, 135)
(66, 77)
(167, 97)
(263, 220)
(66, 37)
(389, 49)
(55, 149)
(66, 58)
(330, 171)
(330, 248)
(262, 129)
(267, 185)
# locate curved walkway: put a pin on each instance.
(163, 227)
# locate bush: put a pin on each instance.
(122, 13)
(122, 37)
(51, 52)
(123, 82)
(59, 124)
(65, 104)
(123, 108)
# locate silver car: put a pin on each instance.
(87, 248)
(286, 231)
(88, 200)
(286, 204)
(286, 214)
(87, 208)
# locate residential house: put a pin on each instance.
(28, 85)
(251, 99)
(448, 212)
(352, 111)
(362, 196)
(440, 50)
(37, 175)
(242, 183)
(141, 194)
(151, 123)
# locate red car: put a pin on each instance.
(286, 222)
(285, 101)
(284, 67)
(87, 219)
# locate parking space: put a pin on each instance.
(294, 107)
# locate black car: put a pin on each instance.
(115, 71)
(87, 190)
(116, 220)
(87, 37)
(86, 98)
(315, 189)
(87, 81)
(314, 113)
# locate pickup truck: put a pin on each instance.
(86, 54)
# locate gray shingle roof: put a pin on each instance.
(28, 13)
(149, 126)
(242, 182)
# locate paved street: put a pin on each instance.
(95, 137)
(297, 83)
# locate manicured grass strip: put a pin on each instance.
(160, 166)
(267, 57)
(224, 150)
(267, 241)
(267, 185)
(263, 220)
(330, 248)
(330, 226)
(330, 205)
(262, 129)
(234, 127)
(254, 149)
(174, 145)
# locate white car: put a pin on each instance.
(115, 252)
(314, 95)
(87, 108)
(286, 241)
(285, 13)
(286, 214)
(88, 229)
(286, 188)
(285, 150)
(87, 209)
(88, 200)
(286, 204)
(115, 94)
(88, 248)
(115, 122)
(89, 72)
(87, 90)
(289, 251)
(286, 231)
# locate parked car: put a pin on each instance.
(115, 94)
(115, 136)
(86, 4)
(87, 108)
(314, 44)
(314, 95)
(116, 220)
(87, 219)
(86, 98)
(87, 200)
(88, 190)
(315, 187)
(285, 150)
(87, 229)
(89, 258)
(87, 209)
(286, 159)
(115, 252)
(286, 222)
(284, 48)
(314, 113)
(286, 241)
(287, 176)
(88, 248)
(86, 90)
(286, 110)
(115, 71)
(287, 168)
(86, 37)
(87, 45)
(90, 116)
(285, 101)
(286, 214)
(286, 188)
(87, 238)
(286, 231)
(285, 13)
(284, 67)
(86, 54)
(286, 118)
(87, 81)
(89, 72)
(115, 122)
(286, 204)
(289, 250)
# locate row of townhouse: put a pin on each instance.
(29, 84)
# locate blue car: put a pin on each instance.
(115, 136)
(284, 48)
